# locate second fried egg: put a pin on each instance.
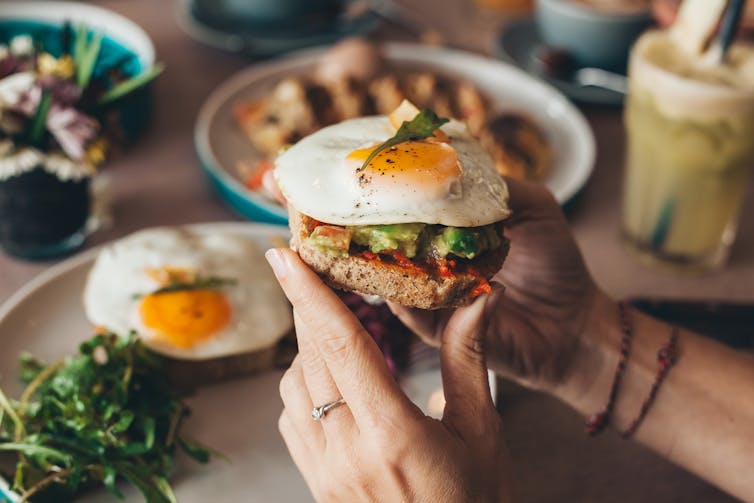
(189, 295)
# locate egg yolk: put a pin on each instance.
(428, 167)
(185, 318)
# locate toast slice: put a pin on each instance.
(422, 288)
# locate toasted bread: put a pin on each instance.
(411, 287)
(190, 374)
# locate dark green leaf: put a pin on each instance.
(195, 450)
(87, 347)
(420, 127)
(124, 422)
(36, 450)
(111, 477)
(149, 431)
(38, 123)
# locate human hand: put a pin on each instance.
(380, 446)
(537, 320)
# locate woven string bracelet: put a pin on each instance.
(666, 358)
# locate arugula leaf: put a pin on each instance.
(420, 127)
(194, 450)
(92, 420)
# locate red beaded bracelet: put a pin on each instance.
(666, 358)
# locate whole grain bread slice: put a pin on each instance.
(392, 281)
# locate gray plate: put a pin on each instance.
(237, 418)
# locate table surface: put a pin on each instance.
(159, 183)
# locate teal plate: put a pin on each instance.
(220, 143)
(6, 495)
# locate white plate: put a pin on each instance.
(221, 144)
(237, 418)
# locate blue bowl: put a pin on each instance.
(125, 44)
(6, 495)
(592, 36)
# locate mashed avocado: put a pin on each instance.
(410, 240)
(403, 238)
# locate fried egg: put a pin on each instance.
(452, 182)
(233, 306)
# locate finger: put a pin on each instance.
(271, 186)
(464, 373)
(320, 386)
(350, 354)
(296, 400)
(304, 455)
(529, 200)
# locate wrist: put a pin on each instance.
(594, 370)
(587, 384)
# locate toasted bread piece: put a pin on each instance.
(190, 374)
(392, 281)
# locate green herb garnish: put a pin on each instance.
(420, 127)
(105, 414)
(123, 89)
(85, 52)
(39, 122)
(198, 283)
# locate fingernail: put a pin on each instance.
(277, 262)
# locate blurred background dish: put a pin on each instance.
(520, 43)
(125, 44)
(259, 30)
(25, 17)
(74, 81)
(520, 104)
(595, 33)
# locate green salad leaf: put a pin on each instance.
(105, 414)
(420, 127)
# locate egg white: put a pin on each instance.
(260, 314)
(311, 176)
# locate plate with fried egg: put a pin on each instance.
(557, 140)
(194, 294)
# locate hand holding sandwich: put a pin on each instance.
(554, 330)
(379, 446)
(535, 322)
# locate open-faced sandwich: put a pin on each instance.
(204, 300)
(408, 207)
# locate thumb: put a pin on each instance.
(464, 371)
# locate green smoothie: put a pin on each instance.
(690, 152)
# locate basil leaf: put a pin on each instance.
(420, 127)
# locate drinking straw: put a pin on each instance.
(728, 28)
(662, 227)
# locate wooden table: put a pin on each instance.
(159, 183)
